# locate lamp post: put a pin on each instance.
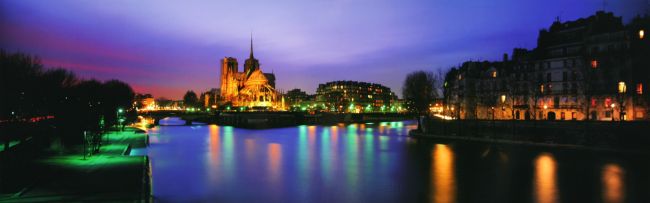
(613, 105)
(621, 100)
(493, 126)
(119, 120)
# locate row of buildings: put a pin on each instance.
(252, 89)
(591, 68)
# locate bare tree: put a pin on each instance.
(420, 90)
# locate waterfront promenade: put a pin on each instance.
(109, 175)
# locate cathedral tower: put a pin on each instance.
(229, 71)
(251, 64)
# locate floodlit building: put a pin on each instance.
(352, 96)
(251, 88)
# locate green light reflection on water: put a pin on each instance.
(352, 170)
(303, 160)
(228, 151)
(326, 167)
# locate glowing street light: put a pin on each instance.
(621, 87)
(503, 98)
(641, 34)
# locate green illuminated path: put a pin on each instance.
(106, 176)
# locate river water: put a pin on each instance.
(378, 162)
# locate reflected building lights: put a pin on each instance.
(545, 179)
(351, 162)
(249, 144)
(368, 155)
(228, 151)
(312, 135)
(443, 183)
(613, 184)
(214, 144)
(304, 158)
(275, 158)
(335, 136)
(326, 155)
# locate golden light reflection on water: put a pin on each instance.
(545, 179)
(335, 135)
(312, 135)
(215, 145)
(249, 144)
(275, 158)
(613, 183)
(443, 179)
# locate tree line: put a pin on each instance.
(69, 105)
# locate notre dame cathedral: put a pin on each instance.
(251, 88)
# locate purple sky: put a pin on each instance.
(168, 47)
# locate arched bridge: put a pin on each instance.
(187, 116)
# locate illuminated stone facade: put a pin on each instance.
(251, 88)
(573, 74)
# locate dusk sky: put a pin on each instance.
(168, 47)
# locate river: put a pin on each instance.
(378, 162)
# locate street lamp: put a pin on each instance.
(622, 89)
(641, 34)
(612, 106)
(119, 119)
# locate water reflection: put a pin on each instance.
(443, 178)
(351, 164)
(274, 152)
(545, 179)
(372, 162)
(214, 151)
(613, 183)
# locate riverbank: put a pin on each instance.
(612, 136)
(108, 175)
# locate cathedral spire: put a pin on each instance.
(251, 56)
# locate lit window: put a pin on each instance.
(621, 87)
(641, 34)
(494, 74)
(593, 102)
(594, 64)
(639, 88)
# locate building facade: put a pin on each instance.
(590, 68)
(352, 96)
(250, 88)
